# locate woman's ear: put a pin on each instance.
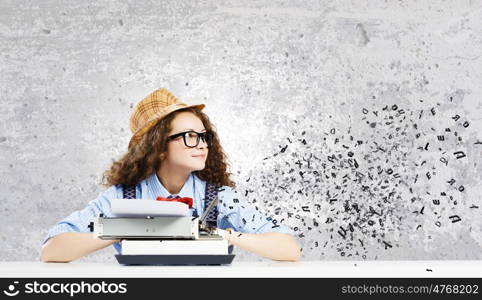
(163, 156)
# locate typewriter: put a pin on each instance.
(165, 240)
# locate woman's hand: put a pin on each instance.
(272, 245)
(225, 234)
(69, 246)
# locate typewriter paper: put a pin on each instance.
(153, 208)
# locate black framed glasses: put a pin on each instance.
(191, 138)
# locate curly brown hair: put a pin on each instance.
(144, 157)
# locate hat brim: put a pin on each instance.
(153, 121)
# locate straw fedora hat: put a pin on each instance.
(152, 109)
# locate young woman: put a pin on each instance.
(174, 152)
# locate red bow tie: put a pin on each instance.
(186, 200)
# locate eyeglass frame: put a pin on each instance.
(200, 135)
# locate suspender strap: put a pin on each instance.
(129, 192)
(210, 194)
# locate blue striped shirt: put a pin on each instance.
(234, 211)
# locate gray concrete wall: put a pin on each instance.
(330, 112)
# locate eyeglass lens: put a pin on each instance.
(191, 139)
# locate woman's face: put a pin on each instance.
(178, 154)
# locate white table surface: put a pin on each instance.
(451, 269)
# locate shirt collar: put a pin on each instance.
(158, 189)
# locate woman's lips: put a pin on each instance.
(200, 156)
